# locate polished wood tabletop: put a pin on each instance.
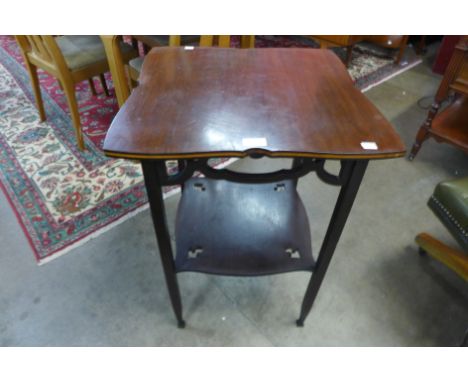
(279, 102)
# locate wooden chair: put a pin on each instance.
(223, 42)
(152, 41)
(70, 59)
(349, 41)
(246, 41)
(450, 125)
(117, 65)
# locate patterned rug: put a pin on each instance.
(370, 64)
(63, 197)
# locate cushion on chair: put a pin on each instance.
(82, 51)
(450, 203)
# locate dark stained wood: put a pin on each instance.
(460, 85)
(451, 257)
(240, 229)
(450, 125)
(206, 102)
(286, 102)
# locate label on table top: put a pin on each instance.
(369, 146)
(254, 142)
(188, 47)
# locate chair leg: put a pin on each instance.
(399, 55)
(423, 132)
(134, 43)
(349, 55)
(91, 85)
(104, 84)
(69, 89)
(451, 257)
(32, 69)
(247, 41)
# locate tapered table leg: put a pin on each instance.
(353, 173)
(152, 172)
(295, 163)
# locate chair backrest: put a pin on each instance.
(222, 41)
(43, 52)
(456, 74)
(116, 65)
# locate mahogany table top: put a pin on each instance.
(279, 102)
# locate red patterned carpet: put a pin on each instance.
(62, 196)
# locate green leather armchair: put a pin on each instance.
(449, 202)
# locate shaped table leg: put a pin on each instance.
(152, 172)
(354, 173)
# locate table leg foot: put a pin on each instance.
(181, 324)
(300, 323)
(353, 174)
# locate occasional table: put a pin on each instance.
(196, 104)
(451, 124)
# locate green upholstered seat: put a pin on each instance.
(136, 63)
(82, 51)
(163, 40)
(450, 203)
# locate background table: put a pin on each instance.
(192, 105)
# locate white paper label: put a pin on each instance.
(254, 142)
(188, 47)
(369, 146)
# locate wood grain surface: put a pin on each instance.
(279, 102)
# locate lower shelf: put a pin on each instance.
(451, 124)
(239, 229)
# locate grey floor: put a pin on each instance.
(378, 291)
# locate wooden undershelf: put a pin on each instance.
(451, 125)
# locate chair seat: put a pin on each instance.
(162, 40)
(136, 63)
(82, 51)
(450, 203)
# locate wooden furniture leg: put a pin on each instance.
(423, 132)
(349, 55)
(248, 41)
(153, 172)
(116, 67)
(296, 162)
(401, 51)
(134, 43)
(36, 90)
(91, 86)
(451, 257)
(420, 47)
(354, 172)
(69, 89)
(456, 63)
(104, 84)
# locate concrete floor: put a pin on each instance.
(378, 291)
